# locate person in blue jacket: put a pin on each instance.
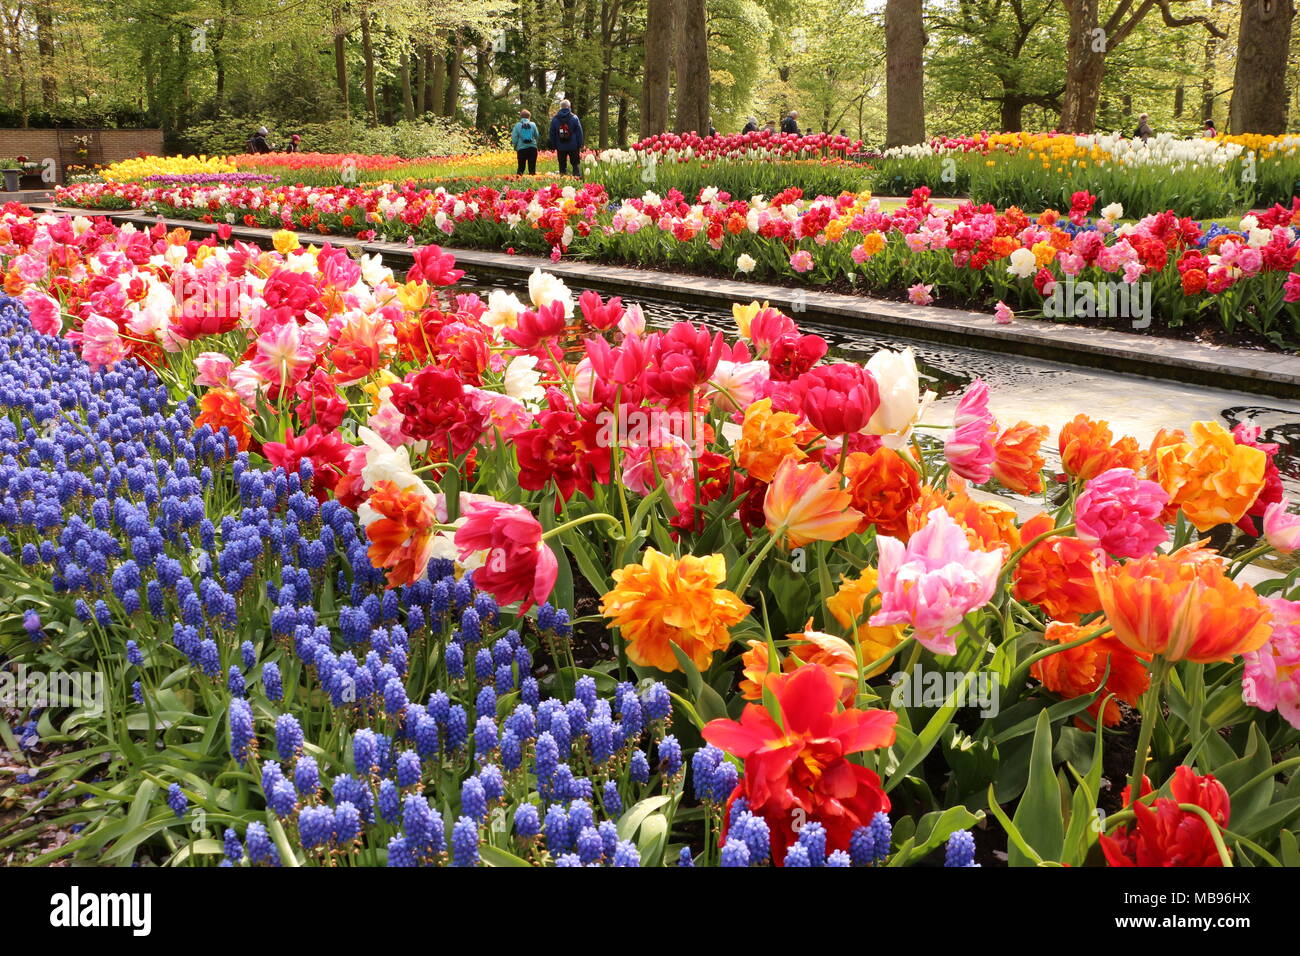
(566, 137)
(524, 138)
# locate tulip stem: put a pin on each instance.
(1015, 558)
(1240, 562)
(1150, 712)
(1216, 834)
(573, 523)
(753, 565)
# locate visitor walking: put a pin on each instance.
(294, 140)
(791, 123)
(1143, 131)
(769, 127)
(566, 137)
(751, 125)
(258, 142)
(1209, 132)
(523, 137)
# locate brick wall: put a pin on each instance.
(113, 144)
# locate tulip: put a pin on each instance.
(898, 385)
(519, 565)
(1121, 513)
(934, 581)
(839, 398)
(1281, 529)
(805, 504)
(969, 448)
(1182, 606)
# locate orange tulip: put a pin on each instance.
(1056, 574)
(1087, 450)
(1079, 670)
(805, 504)
(767, 439)
(399, 524)
(849, 605)
(809, 647)
(1182, 606)
(1016, 462)
(990, 525)
(221, 406)
(883, 487)
(666, 600)
(1210, 477)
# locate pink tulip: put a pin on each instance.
(1281, 530)
(1120, 513)
(519, 566)
(1271, 680)
(1002, 314)
(213, 369)
(101, 342)
(282, 356)
(919, 294)
(934, 581)
(969, 448)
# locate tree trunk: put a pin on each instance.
(1012, 114)
(904, 73)
(451, 93)
(1207, 76)
(421, 78)
(692, 63)
(482, 84)
(1085, 67)
(658, 57)
(368, 51)
(623, 105)
(1259, 99)
(435, 72)
(408, 101)
(341, 62)
(45, 49)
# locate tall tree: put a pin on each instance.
(1093, 38)
(692, 63)
(904, 73)
(1259, 97)
(658, 58)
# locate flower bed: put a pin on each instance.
(1199, 177)
(441, 579)
(1165, 269)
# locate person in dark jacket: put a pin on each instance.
(566, 137)
(1144, 131)
(524, 137)
(295, 143)
(751, 125)
(791, 123)
(259, 143)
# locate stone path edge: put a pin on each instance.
(1220, 367)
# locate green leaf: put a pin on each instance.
(1038, 815)
(932, 731)
(932, 831)
(495, 856)
(635, 814)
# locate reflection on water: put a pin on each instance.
(1041, 392)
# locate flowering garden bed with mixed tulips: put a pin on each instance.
(379, 573)
(1177, 272)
